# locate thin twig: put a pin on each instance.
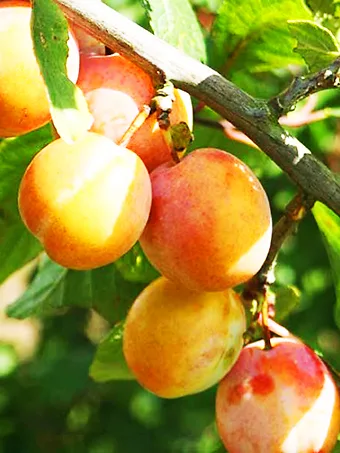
(302, 87)
(257, 289)
(286, 225)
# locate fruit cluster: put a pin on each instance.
(204, 223)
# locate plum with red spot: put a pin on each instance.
(281, 400)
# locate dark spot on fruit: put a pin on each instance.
(262, 384)
(236, 393)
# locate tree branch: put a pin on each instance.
(286, 225)
(252, 116)
(304, 86)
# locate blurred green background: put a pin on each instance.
(47, 401)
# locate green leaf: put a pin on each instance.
(47, 286)
(17, 247)
(174, 21)
(287, 300)
(316, 44)
(321, 7)
(68, 106)
(329, 225)
(326, 13)
(135, 267)
(103, 289)
(109, 362)
(256, 32)
(54, 286)
(15, 155)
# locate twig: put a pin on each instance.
(286, 225)
(257, 289)
(304, 86)
(227, 128)
(135, 125)
(279, 330)
(251, 116)
(302, 117)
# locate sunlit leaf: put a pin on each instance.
(15, 155)
(287, 300)
(17, 247)
(255, 32)
(109, 362)
(54, 286)
(329, 225)
(68, 106)
(174, 21)
(321, 7)
(135, 267)
(316, 44)
(46, 286)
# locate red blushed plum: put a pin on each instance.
(179, 342)
(210, 224)
(281, 400)
(116, 91)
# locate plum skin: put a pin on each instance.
(210, 224)
(87, 202)
(179, 342)
(282, 400)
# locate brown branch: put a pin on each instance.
(251, 116)
(256, 293)
(286, 225)
(304, 86)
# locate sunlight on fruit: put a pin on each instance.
(273, 388)
(318, 418)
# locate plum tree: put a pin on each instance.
(178, 342)
(210, 239)
(94, 204)
(116, 91)
(280, 400)
(23, 97)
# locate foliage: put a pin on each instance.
(52, 402)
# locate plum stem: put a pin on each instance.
(134, 126)
(264, 320)
(295, 211)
